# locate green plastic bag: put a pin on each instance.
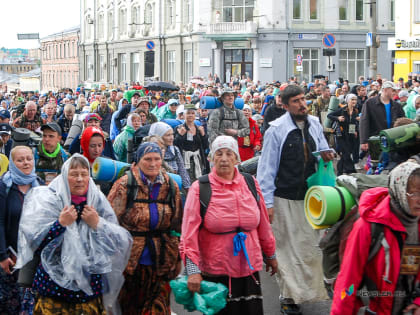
(325, 176)
(210, 300)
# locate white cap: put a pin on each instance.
(225, 142)
(180, 110)
(389, 84)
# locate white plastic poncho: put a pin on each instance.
(80, 251)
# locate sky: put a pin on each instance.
(36, 16)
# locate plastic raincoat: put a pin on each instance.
(80, 251)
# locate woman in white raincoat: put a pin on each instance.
(83, 251)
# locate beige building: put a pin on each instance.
(17, 67)
(60, 60)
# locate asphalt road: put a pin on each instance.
(271, 301)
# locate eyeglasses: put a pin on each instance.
(414, 196)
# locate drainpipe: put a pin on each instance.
(288, 39)
(160, 41)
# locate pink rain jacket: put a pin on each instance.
(232, 205)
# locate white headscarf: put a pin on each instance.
(225, 142)
(159, 129)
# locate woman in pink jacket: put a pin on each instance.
(392, 275)
(233, 216)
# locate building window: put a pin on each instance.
(392, 8)
(101, 67)
(171, 65)
(148, 14)
(313, 9)
(122, 68)
(297, 8)
(343, 9)
(135, 18)
(101, 26)
(188, 71)
(170, 18)
(352, 64)
(88, 32)
(135, 67)
(359, 10)
(110, 30)
(122, 21)
(188, 12)
(310, 63)
(110, 68)
(238, 10)
(89, 67)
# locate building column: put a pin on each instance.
(256, 64)
(217, 59)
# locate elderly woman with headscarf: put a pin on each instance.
(413, 103)
(251, 144)
(393, 270)
(173, 155)
(120, 143)
(72, 229)
(14, 186)
(346, 122)
(148, 204)
(226, 243)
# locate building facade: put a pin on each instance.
(17, 67)
(129, 41)
(406, 43)
(60, 60)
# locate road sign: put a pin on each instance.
(299, 68)
(328, 40)
(299, 60)
(369, 39)
(150, 45)
(28, 36)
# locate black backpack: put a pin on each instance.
(205, 192)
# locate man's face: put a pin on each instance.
(31, 111)
(50, 139)
(103, 101)
(173, 107)
(297, 107)
(345, 89)
(204, 113)
(113, 95)
(69, 115)
(403, 99)
(362, 91)
(41, 101)
(4, 137)
(228, 99)
(135, 100)
(50, 110)
(144, 106)
(388, 92)
(326, 94)
(4, 120)
(93, 123)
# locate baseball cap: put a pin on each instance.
(4, 114)
(173, 101)
(144, 99)
(389, 84)
(53, 126)
(136, 93)
(403, 94)
(5, 128)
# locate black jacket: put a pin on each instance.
(347, 119)
(373, 119)
(272, 113)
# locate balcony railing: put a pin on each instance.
(230, 28)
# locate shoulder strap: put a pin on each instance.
(131, 190)
(170, 197)
(377, 234)
(251, 186)
(205, 196)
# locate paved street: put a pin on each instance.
(271, 301)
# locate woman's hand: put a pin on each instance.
(67, 216)
(413, 307)
(271, 263)
(182, 131)
(7, 265)
(201, 130)
(90, 216)
(194, 282)
(341, 118)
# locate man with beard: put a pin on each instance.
(285, 164)
(30, 119)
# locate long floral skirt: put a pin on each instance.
(50, 306)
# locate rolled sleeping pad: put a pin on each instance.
(4, 163)
(211, 102)
(326, 205)
(332, 107)
(399, 137)
(75, 130)
(107, 170)
(177, 179)
(173, 122)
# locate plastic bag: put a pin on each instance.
(210, 300)
(325, 176)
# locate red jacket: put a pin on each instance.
(247, 152)
(373, 207)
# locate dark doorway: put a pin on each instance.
(149, 64)
(238, 62)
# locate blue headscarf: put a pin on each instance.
(147, 147)
(16, 176)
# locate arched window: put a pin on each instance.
(110, 30)
(122, 21)
(101, 26)
(148, 15)
(170, 12)
(135, 17)
(188, 12)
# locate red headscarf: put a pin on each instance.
(85, 140)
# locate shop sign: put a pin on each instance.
(411, 43)
(400, 61)
(204, 62)
(237, 45)
(299, 68)
(266, 63)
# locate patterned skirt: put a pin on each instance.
(145, 293)
(246, 297)
(50, 306)
(9, 293)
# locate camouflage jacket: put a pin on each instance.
(48, 167)
(227, 118)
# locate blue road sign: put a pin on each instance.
(328, 40)
(299, 60)
(150, 45)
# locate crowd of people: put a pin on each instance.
(72, 244)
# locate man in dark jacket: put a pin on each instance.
(105, 111)
(379, 113)
(274, 111)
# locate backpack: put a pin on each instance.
(333, 244)
(205, 192)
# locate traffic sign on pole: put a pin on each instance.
(299, 60)
(328, 40)
(150, 45)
